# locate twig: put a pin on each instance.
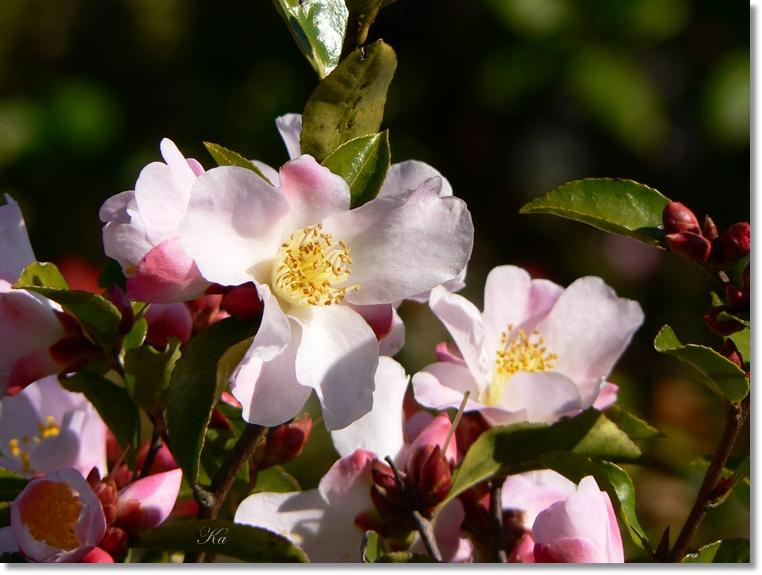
(736, 415)
(496, 513)
(151, 455)
(422, 524)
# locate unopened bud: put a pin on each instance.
(286, 442)
(385, 492)
(168, 320)
(730, 351)
(206, 310)
(691, 246)
(243, 303)
(722, 327)
(735, 242)
(739, 297)
(710, 230)
(114, 542)
(97, 555)
(109, 498)
(430, 472)
(469, 429)
(677, 218)
(132, 516)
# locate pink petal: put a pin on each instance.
(442, 385)
(15, 249)
(290, 128)
(409, 175)
(568, 550)
(157, 494)
(166, 275)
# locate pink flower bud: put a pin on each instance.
(469, 429)
(722, 327)
(735, 242)
(435, 433)
(739, 297)
(148, 502)
(581, 529)
(243, 303)
(163, 461)
(206, 311)
(710, 230)
(167, 320)
(690, 246)
(679, 218)
(430, 473)
(286, 442)
(57, 518)
(97, 555)
(114, 542)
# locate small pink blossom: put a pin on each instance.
(58, 518)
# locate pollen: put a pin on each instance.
(521, 352)
(311, 268)
(20, 448)
(52, 515)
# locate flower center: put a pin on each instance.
(52, 515)
(309, 266)
(520, 353)
(47, 429)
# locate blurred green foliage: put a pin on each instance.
(507, 98)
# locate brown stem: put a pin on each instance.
(210, 501)
(496, 513)
(151, 455)
(735, 415)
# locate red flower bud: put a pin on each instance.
(691, 246)
(730, 351)
(97, 555)
(710, 230)
(469, 429)
(678, 218)
(385, 492)
(206, 310)
(739, 298)
(243, 303)
(431, 475)
(108, 495)
(114, 542)
(286, 442)
(735, 242)
(132, 516)
(722, 327)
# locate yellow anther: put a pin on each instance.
(52, 515)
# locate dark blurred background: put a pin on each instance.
(507, 98)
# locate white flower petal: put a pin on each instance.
(546, 395)
(233, 227)
(337, 357)
(15, 249)
(269, 173)
(395, 340)
(404, 244)
(290, 128)
(409, 175)
(442, 385)
(380, 430)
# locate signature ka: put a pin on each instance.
(213, 536)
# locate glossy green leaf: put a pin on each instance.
(363, 163)
(274, 479)
(511, 449)
(718, 373)
(136, 336)
(610, 478)
(227, 364)
(742, 318)
(222, 537)
(11, 485)
(349, 102)
(97, 315)
(635, 428)
(225, 157)
(742, 339)
(113, 404)
(193, 391)
(617, 206)
(148, 372)
(318, 27)
(727, 551)
(372, 547)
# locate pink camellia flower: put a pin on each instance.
(36, 337)
(46, 427)
(537, 352)
(58, 518)
(141, 231)
(581, 529)
(329, 522)
(314, 262)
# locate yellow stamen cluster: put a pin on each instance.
(47, 429)
(52, 515)
(519, 353)
(308, 267)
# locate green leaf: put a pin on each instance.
(405, 557)
(113, 404)
(372, 547)
(718, 373)
(610, 478)
(318, 28)
(225, 157)
(742, 318)
(274, 479)
(193, 391)
(11, 484)
(147, 375)
(737, 468)
(349, 102)
(511, 449)
(363, 163)
(99, 317)
(227, 364)
(136, 336)
(635, 428)
(617, 206)
(112, 275)
(5, 513)
(742, 339)
(727, 551)
(225, 538)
